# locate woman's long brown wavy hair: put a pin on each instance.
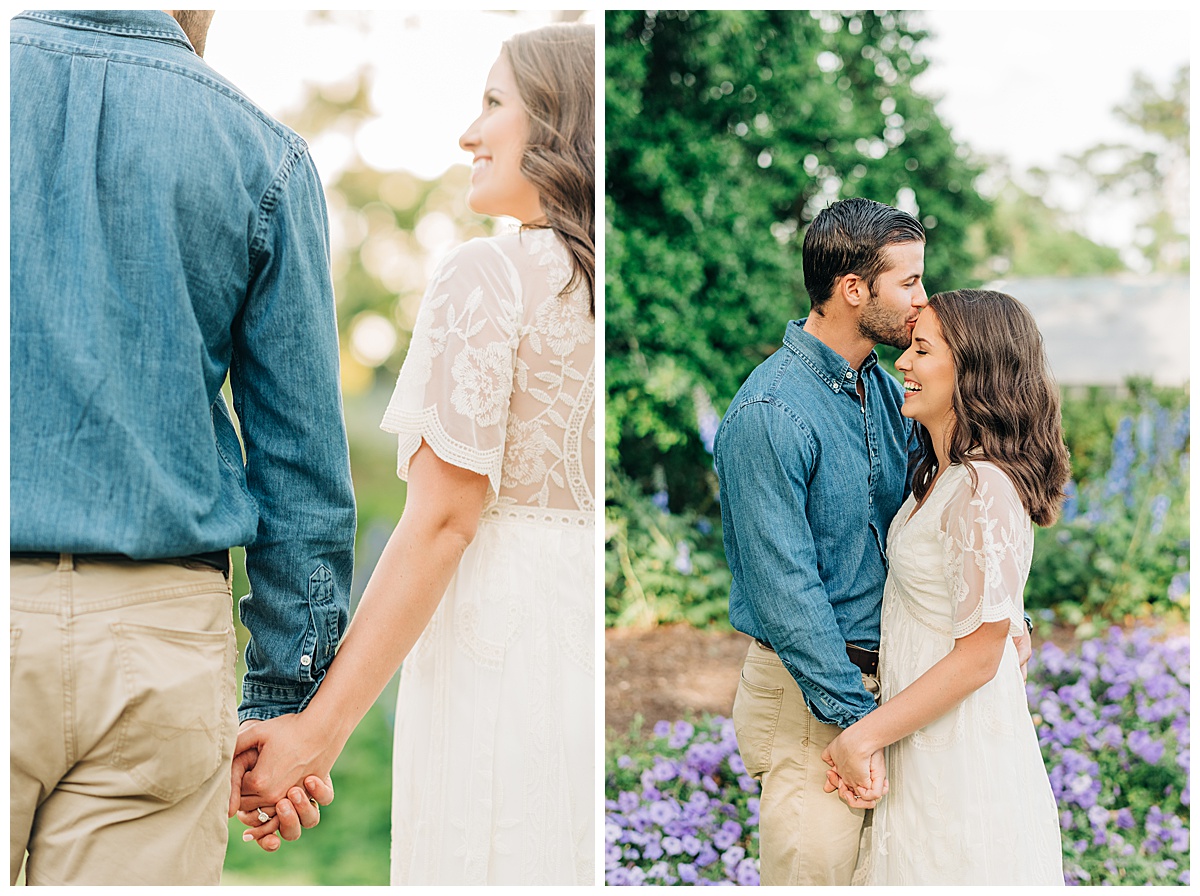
(555, 72)
(1006, 403)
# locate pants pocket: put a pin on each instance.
(755, 719)
(172, 735)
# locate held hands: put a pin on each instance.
(859, 778)
(253, 790)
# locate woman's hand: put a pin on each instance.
(286, 750)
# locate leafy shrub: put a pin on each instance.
(1121, 548)
(660, 566)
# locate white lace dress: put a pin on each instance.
(494, 777)
(969, 799)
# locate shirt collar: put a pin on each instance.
(149, 24)
(830, 367)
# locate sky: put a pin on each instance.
(1033, 86)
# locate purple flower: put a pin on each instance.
(1147, 748)
(687, 873)
(706, 856)
(617, 877)
(747, 873)
(683, 558)
(682, 733)
(663, 811)
(733, 855)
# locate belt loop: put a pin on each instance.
(66, 562)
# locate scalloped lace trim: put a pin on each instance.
(427, 425)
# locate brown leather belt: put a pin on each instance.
(866, 660)
(218, 560)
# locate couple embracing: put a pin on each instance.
(879, 539)
(167, 235)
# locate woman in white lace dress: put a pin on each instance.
(486, 590)
(967, 797)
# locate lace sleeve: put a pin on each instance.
(988, 540)
(457, 379)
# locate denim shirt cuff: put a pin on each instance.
(266, 701)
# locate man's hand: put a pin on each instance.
(1024, 644)
(291, 814)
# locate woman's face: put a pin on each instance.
(496, 141)
(928, 369)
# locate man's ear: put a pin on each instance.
(851, 289)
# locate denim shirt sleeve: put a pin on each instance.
(765, 456)
(287, 396)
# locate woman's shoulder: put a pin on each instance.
(985, 481)
(515, 254)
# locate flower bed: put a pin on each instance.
(1113, 718)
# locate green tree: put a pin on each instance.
(1152, 172)
(1025, 237)
(727, 131)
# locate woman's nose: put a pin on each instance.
(470, 138)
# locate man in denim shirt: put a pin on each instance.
(165, 233)
(812, 461)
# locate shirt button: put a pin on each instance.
(305, 660)
(849, 374)
(836, 386)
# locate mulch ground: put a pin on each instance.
(669, 672)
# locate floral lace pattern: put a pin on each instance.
(987, 540)
(500, 375)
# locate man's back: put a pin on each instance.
(148, 208)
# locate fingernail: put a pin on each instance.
(296, 794)
(247, 837)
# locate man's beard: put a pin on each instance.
(883, 327)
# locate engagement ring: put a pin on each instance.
(263, 817)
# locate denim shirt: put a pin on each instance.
(810, 478)
(165, 233)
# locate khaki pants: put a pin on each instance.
(806, 836)
(122, 722)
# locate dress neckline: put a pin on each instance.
(929, 494)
